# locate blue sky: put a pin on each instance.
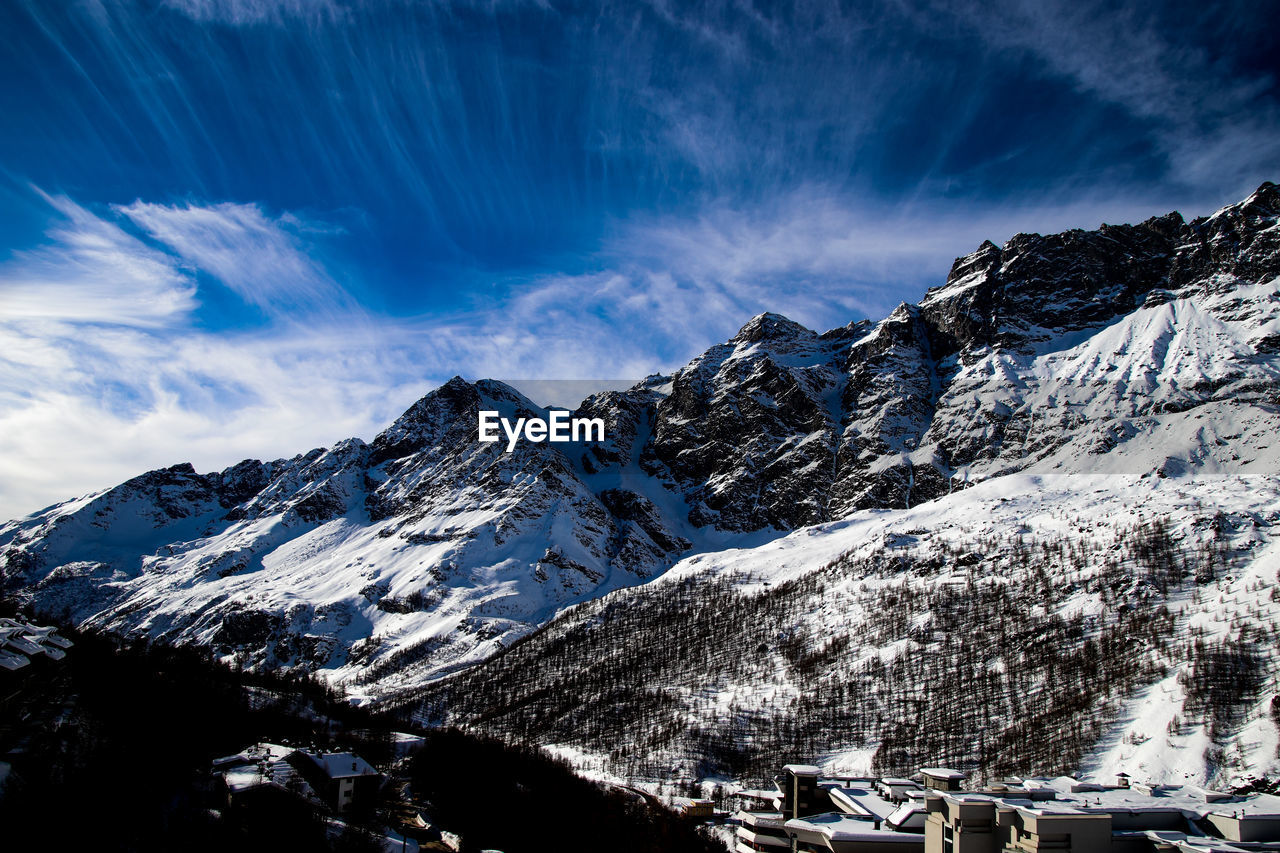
(236, 228)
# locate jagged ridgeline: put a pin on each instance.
(1141, 360)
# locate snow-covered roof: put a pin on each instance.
(1184, 842)
(843, 827)
(43, 634)
(751, 819)
(244, 778)
(255, 752)
(862, 801)
(688, 803)
(905, 812)
(262, 764)
(757, 794)
(1145, 797)
(15, 642)
(802, 769)
(1190, 800)
(19, 640)
(13, 660)
(942, 772)
(341, 765)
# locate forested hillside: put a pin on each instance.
(1007, 634)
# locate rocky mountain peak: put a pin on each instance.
(967, 269)
(1264, 201)
(849, 332)
(769, 327)
(449, 410)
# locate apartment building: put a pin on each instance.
(1068, 816)
(833, 815)
(935, 812)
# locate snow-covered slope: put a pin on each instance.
(1040, 623)
(1147, 355)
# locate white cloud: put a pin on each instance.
(111, 403)
(823, 259)
(261, 258)
(93, 272)
(93, 393)
(104, 372)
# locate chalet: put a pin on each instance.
(694, 809)
(341, 779)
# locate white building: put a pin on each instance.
(20, 641)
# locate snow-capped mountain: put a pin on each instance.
(1130, 363)
(423, 547)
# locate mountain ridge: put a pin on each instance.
(1137, 349)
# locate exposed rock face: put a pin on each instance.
(748, 431)
(890, 393)
(1088, 335)
(1150, 346)
(781, 427)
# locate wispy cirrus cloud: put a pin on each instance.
(246, 12)
(1218, 124)
(824, 258)
(262, 259)
(106, 369)
(92, 270)
(501, 134)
